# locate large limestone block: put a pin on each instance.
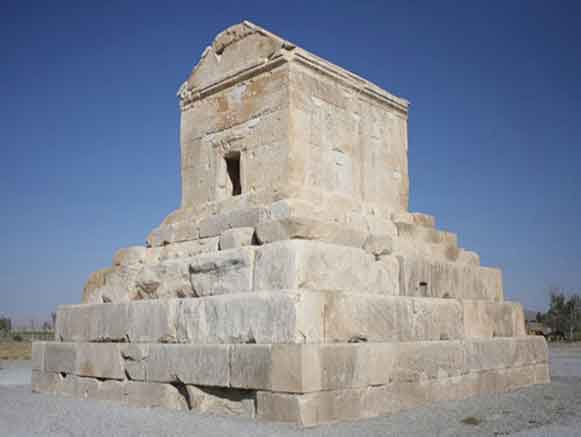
(493, 319)
(163, 280)
(60, 357)
(375, 318)
(38, 349)
(108, 322)
(207, 365)
(227, 271)
(348, 404)
(215, 225)
(306, 368)
(262, 317)
(168, 233)
(169, 274)
(427, 234)
(53, 383)
(43, 382)
(96, 281)
(152, 321)
(238, 237)
(281, 316)
(134, 357)
(379, 245)
(150, 394)
(420, 276)
(310, 368)
(98, 360)
(111, 285)
(306, 228)
(315, 265)
(468, 257)
(222, 401)
(427, 360)
(500, 353)
(138, 321)
(180, 250)
(130, 255)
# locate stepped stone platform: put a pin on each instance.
(292, 284)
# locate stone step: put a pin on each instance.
(300, 264)
(428, 234)
(292, 368)
(174, 396)
(290, 316)
(422, 276)
(183, 271)
(415, 218)
(304, 384)
(330, 406)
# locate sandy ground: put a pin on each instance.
(550, 410)
(14, 350)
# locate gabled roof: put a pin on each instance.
(246, 49)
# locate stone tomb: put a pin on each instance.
(292, 284)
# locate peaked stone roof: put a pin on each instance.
(246, 49)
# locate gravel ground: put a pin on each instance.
(14, 373)
(550, 410)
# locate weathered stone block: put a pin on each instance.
(44, 382)
(130, 255)
(134, 357)
(493, 319)
(186, 230)
(332, 405)
(163, 280)
(468, 257)
(151, 394)
(500, 353)
(108, 322)
(234, 238)
(60, 357)
(266, 317)
(99, 360)
(308, 368)
(373, 318)
(181, 250)
(305, 228)
(378, 245)
(263, 317)
(315, 265)
(227, 271)
(38, 348)
(152, 321)
(424, 277)
(222, 401)
(215, 225)
(189, 364)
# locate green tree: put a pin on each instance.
(564, 313)
(5, 324)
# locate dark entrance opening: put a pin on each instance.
(233, 170)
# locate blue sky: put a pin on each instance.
(89, 125)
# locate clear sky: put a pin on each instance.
(89, 125)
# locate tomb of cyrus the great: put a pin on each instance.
(292, 284)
